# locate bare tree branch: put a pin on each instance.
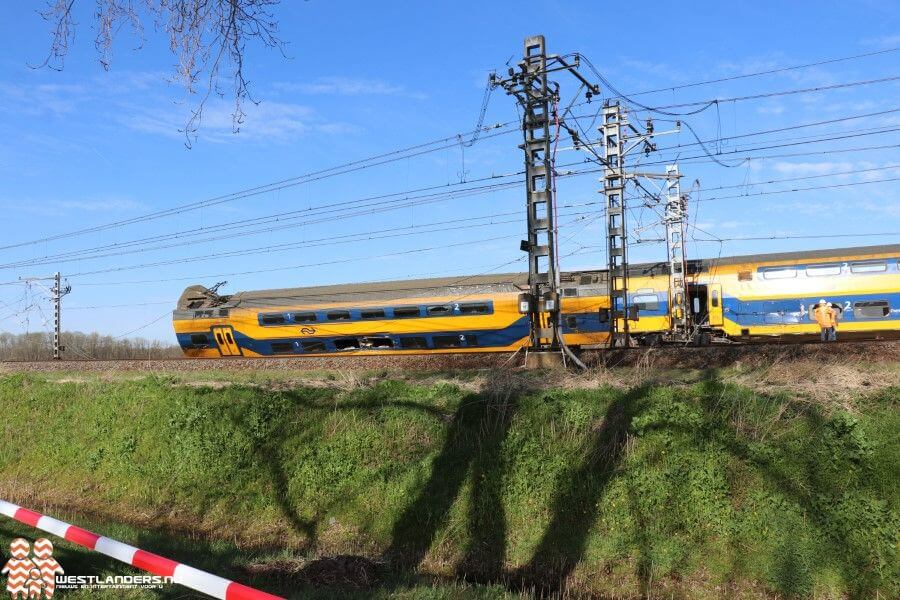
(208, 38)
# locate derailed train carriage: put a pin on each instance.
(731, 299)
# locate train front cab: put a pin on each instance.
(225, 342)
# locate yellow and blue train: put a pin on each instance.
(740, 298)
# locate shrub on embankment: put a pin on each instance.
(698, 489)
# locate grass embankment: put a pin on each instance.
(697, 488)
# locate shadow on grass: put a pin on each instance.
(472, 453)
(576, 504)
(471, 449)
(815, 472)
(805, 474)
(269, 454)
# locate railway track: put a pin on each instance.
(665, 357)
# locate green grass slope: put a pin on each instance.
(703, 489)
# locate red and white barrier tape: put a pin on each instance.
(215, 586)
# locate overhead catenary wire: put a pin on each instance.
(449, 142)
(168, 313)
(710, 156)
(772, 71)
(79, 256)
(415, 150)
(819, 88)
(336, 210)
(815, 236)
(798, 190)
(368, 208)
(320, 263)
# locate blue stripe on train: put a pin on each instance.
(588, 322)
(485, 338)
(793, 311)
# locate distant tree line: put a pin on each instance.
(39, 346)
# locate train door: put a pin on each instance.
(225, 340)
(698, 297)
(716, 319)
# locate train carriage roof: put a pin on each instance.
(198, 296)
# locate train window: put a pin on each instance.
(836, 306)
(377, 342)
(219, 339)
(604, 315)
(745, 275)
(714, 300)
(868, 267)
(823, 270)
(474, 309)
(199, 339)
(646, 302)
(405, 312)
(223, 312)
(346, 344)
(371, 313)
(450, 341)
(282, 347)
(780, 273)
(572, 322)
(872, 309)
(273, 319)
(305, 317)
(338, 315)
(413, 342)
(312, 346)
(228, 337)
(570, 292)
(440, 309)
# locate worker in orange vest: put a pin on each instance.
(826, 317)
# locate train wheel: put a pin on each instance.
(652, 340)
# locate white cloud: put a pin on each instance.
(771, 109)
(734, 224)
(808, 75)
(885, 41)
(657, 69)
(59, 208)
(40, 99)
(272, 121)
(887, 209)
(348, 86)
(112, 204)
(811, 168)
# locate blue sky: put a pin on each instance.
(83, 147)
